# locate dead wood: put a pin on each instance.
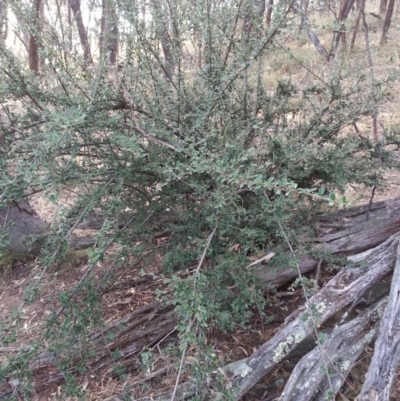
(345, 288)
(126, 337)
(25, 231)
(324, 370)
(22, 226)
(345, 232)
(382, 369)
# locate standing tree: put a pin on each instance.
(382, 6)
(109, 32)
(356, 24)
(76, 9)
(34, 36)
(268, 17)
(3, 20)
(387, 21)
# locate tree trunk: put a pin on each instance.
(3, 20)
(163, 19)
(305, 23)
(382, 6)
(33, 38)
(109, 32)
(344, 13)
(76, 9)
(387, 21)
(269, 12)
(356, 26)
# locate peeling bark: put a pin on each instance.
(345, 288)
(372, 247)
(381, 372)
(346, 232)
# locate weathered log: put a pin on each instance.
(346, 232)
(340, 231)
(324, 370)
(25, 230)
(127, 337)
(327, 366)
(346, 287)
(386, 358)
(22, 226)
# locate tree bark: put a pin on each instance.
(33, 37)
(24, 231)
(356, 26)
(269, 12)
(76, 9)
(387, 21)
(325, 363)
(305, 23)
(382, 6)
(3, 20)
(382, 369)
(109, 32)
(344, 13)
(346, 232)
(163, 18)
(22, 227)
(368, 235)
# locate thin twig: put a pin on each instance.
(151, 137)
(300, 275)
(264, 259)
(203, 256)
(318, 271)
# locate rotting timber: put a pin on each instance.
(372, 249)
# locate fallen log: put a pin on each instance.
(347, 287)
(24, 231)
(382, 369)
(324, 370)
(339, 230)
(345, 232)
(126, 337)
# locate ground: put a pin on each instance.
(126, 295)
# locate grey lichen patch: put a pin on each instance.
(346, 365)
(368, 338)
(320, 307)
(238, 368)
(299, 336)
(282, 349)
(370, 335)
(243, 370)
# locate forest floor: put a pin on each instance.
(123, 297)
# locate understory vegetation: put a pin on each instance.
(207, 159)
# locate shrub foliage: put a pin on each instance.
(201, 135)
